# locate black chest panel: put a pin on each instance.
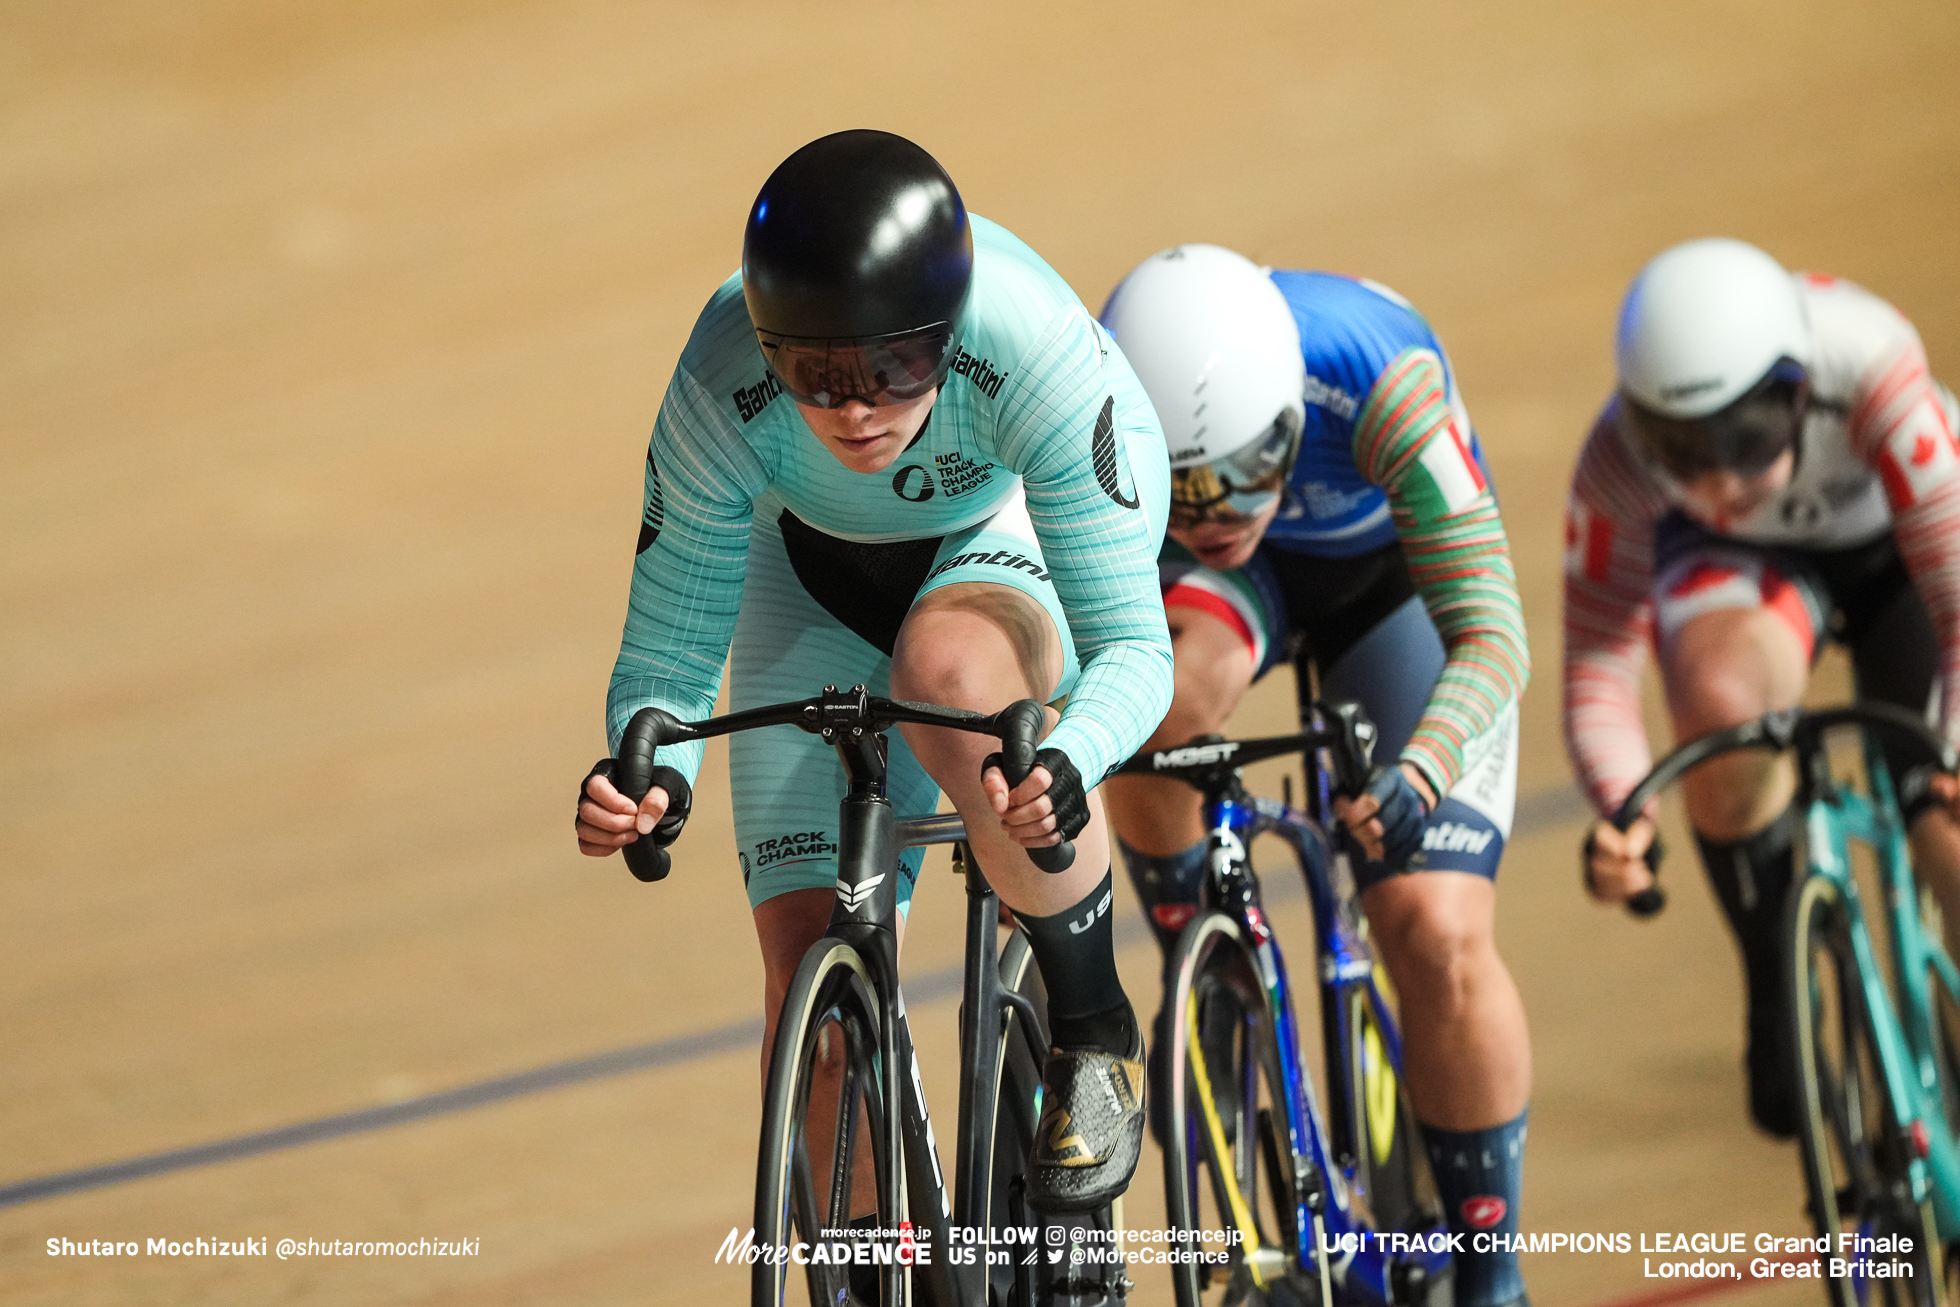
(867, 587)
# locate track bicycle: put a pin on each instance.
(845, 1008)
(1246, 1151)
(1873, 1031)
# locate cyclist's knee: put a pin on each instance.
(1435, 933)
(1729, 666)
(785, 927)
(1735, 796)
(968, 645)
(1214, 670)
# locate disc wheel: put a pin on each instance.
(1390, 1172)
(823, 1108)
(1228, 1156)
(1856, 1165)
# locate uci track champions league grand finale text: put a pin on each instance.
(1664, 1255)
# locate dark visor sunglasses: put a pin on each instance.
(1745, 437)
(878, 370)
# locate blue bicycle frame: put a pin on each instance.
(1332, 1225)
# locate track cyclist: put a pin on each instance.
(898, 451)
(1776, 468)
(1328, 502)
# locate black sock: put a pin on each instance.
(1751, 879)
(1077, 956)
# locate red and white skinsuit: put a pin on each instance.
(1876, 454)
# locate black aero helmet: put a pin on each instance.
(856, 266)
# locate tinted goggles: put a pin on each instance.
(1243, 483)
(876, 369)
(1744, 438)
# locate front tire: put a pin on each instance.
(1390, 1170)
(829, 1016)
(1855, 1165)
(1228, 1152)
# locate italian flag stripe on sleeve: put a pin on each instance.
(1408, 442)
(1456, 476)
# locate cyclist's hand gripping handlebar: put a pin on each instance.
(1020, 726)
(634, 772)
(1650, 901)
(1400, 809)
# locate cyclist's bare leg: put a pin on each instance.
(1721, 669)
(1936, 861)
(981, 647)
(1466, 1050)
(786, 926)
(1214, 670)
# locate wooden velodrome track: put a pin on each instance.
(332, 334)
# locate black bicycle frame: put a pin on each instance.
(863, 915)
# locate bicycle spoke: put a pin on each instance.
(842, 1168)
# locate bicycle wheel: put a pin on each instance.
(805, 1166)
(1854, 1150)
(1391, 1175)
(1228, 1156)
(1946, 1051)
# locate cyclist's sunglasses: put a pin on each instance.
(1243, 483)
(1745, 437)
(878, 370)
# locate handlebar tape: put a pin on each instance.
(635, 773)
(1020, 726)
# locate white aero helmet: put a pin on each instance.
(1713, 352)
(1215, 345)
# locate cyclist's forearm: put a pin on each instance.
(1097, 539)
(1458, 557)
(1464, 575)
(1121, 695)
(1928, 536)
(1608, 613)
(1604, 736)
(1902, 425)
(687, 589)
